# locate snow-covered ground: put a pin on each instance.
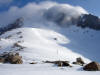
(45, 69)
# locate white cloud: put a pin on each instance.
(64, 13)
(33, 13)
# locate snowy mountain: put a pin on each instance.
(51, 32)
(63, 43)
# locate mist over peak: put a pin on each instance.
(33, 13)
(64, 14)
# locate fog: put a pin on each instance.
(42, 13)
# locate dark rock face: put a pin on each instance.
(93, 66)
(89, 21)
(18, 23)
(79, 61)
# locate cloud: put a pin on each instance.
(64, 14)
(33, 13)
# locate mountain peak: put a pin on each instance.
(89, 21)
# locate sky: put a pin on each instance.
(92, 6)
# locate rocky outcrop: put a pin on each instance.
(17, 44)
(11, 58)
(93, 66)
(89, 21)
(16, 59)
(79, 61)
(60, 63)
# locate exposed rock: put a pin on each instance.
(33, 63)
(60, 63)
(18, 33)
(93, 66)
(79, 61)
(16, 59)
(11, 58)
(76, 63)
(18, 45)
(2, 60)
(48, 61)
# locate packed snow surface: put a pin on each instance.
(45, 69)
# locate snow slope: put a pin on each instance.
(56, 44)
